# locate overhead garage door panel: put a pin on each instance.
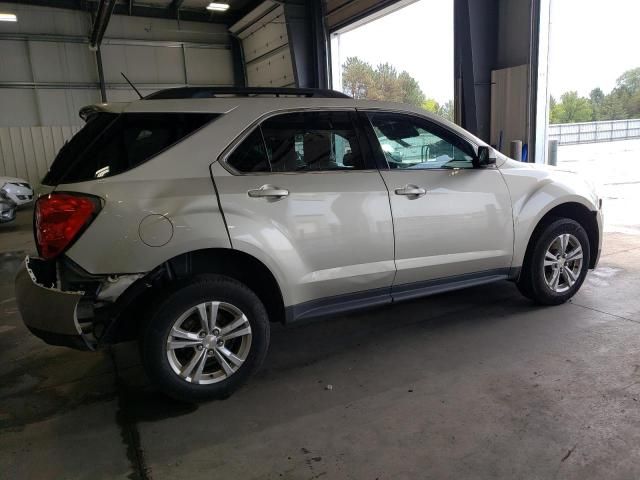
(343, 12)
(265, 45)
(269, 34)
(274, 70)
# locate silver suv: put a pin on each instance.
(191, 219)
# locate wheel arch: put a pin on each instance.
(575, 211)
(223, 261)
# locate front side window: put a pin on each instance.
(409, 142)
(300, 142)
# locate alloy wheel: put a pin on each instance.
(562, 263)
(209, 342)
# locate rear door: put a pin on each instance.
(452, 221)
(300, 193)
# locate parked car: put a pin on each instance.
(191, 219)
(18, 190)
(7, 208)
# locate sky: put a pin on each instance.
(592, 42)
(425, 48)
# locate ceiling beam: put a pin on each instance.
(174, 7)
(105, 9)
(142, 10)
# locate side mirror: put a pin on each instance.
(483, 157)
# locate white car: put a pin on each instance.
(17, 190)
(193, 218)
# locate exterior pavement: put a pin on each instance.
(478, 383)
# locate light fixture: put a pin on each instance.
(218, 7)
(8, 17)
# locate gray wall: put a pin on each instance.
(47, 73)
(514, 33)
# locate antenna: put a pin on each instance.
(132, 85)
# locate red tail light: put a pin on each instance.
(60, 217)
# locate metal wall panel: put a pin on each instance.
(19, 107)
(143, 64)
(43, 20)
(208, 66)
(61, 107)
(14, 61)
(47, 73)
(62, 62)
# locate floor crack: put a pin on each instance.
(129, 428)
(606, 313)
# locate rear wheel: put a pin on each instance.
(205, 339)
(556, 264)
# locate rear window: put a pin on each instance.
(113, 143)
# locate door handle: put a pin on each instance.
(411, 191)
(268, 191)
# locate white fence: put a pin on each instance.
(27, 152)
(593, 132)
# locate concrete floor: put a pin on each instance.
(474, 384)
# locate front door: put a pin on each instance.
(299, 194)
(450, 219)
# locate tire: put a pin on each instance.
(188, 364)
(537, 279)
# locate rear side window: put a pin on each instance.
(110, 143)
(300, 142)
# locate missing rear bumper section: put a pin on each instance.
(63, 315)
(48, 312)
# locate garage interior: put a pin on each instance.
(473, 384)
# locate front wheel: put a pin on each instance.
(205, 339)
(556, 264)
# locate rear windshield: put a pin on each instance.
(113, 143)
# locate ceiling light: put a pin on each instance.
(218, 7)
(8, 17)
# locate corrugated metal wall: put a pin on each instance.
(47, 73)
(27, 152)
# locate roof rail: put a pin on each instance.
(213, 92)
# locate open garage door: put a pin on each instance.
(387, 56)
(340, 13)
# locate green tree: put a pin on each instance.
(431, 105)
(571, 109)
(446, 110)
(597, 98)
(614, 106)
(361, 80)
(629, 81)
(627, 93)
(357, 78)
(386, 85)
(410, 90)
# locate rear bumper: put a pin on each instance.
(49, 313)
